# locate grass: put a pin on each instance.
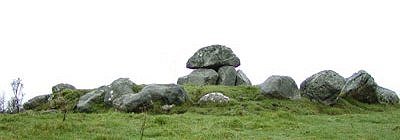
(247, 116)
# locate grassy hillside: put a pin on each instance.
(247, 116)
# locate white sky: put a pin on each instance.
(91, 43)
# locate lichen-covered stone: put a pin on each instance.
(282, 87)
(214, 98)
(36, 102)
(213, 57)
(200, 77)
(62, 86)
(360, 86)
(386, 96)
(95, 97)
(323, 87)
(227, 76)
(241, 79)
(118, 88)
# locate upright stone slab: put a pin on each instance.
(241, 79)
(227, 76)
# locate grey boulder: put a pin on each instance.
(241, 79)
(386, 96)
(36, 102)
(166, 93)
(200, 77)
(323, 87)
(213, 57)
(118, 88)
(87, 102)
(360, 86)
(62, 86)
(227, 76)
(133, 102)
(282, 87)
(214, 98)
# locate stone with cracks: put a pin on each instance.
(241, 79)
(360, 86)
(323, 87)
(386, 96)
(118, 88)
(87, 102)
(213, 57)
(166, 94)
(227, 76)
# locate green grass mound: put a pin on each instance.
(247, 116)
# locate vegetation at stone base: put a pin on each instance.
(247, 116)
(278, 124)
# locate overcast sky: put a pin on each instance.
(91, 43)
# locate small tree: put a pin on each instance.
(16, 100)
(2, 102)
(60, 103)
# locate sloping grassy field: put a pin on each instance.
(247, 116)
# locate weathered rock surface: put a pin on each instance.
(36, 102)
(241, 79)
(386, 96)
(282, 87)
(323, 87)
(118, 88)
(360, 86)
(62, 86)
(214, 98)
(166, 93)
(213, 57)
(87, 101)
(227, 76)
(133, 102)
(200, 77)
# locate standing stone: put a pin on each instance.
(62, 86)
(213, 57)
(386, 96)
(283, 87)
(360, 86)
(118, 88)
(200, 77)
(323, 87)
(241, 79)
(227, 76)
